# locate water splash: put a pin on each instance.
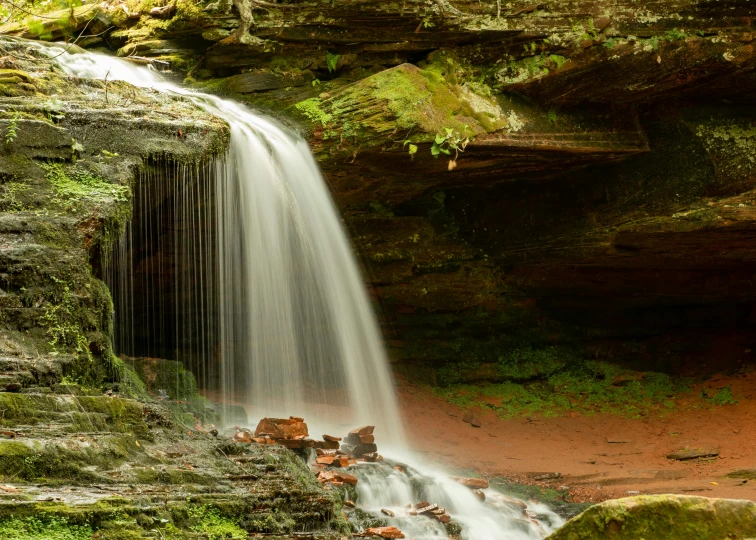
(498, 517)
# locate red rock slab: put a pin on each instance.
(243, 436)
(327, 445)
(364, 430)
(281, 428)
(383, 532)
(476, 483)
(331, 438)
(427, 509)
(345, 478)
(294, 444)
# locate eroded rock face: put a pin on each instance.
(601, 202)
(663, 516)
(93, 445)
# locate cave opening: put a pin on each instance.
(163, 270)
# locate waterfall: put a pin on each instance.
(296, 330)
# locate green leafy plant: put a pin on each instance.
(675, 35)
(59, 318)
(412, 148)
(723, 396)
(448, 142)
(315, 83)
(76, 148)
(332, 61)
(12, 132)
(54, 109)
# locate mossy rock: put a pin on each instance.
(672, 517)
(405, 98)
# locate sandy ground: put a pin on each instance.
(599, 456)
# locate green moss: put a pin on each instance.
(571, 384)
(169, 376)
(46, 528)
(26, 409)
(75, 184)
(720, 397)
(672, 517)
(311, 109)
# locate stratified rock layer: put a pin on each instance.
(593, 167)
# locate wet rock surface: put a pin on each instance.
(91, 444)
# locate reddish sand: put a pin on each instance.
(599, 456)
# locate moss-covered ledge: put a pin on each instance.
(70, 152)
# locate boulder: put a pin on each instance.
(671, 517)
(281, 428)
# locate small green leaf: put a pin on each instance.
(435, 150)
(445, 151)
(331, 61)
(412, 149)
(440, 139)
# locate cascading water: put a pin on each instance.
(297, 333)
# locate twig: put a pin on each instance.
(79, 37)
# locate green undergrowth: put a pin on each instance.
(209, 522)
(569, 384)
(722, 396)
(77, 183)
(49, 528)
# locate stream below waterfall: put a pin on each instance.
(296, 327)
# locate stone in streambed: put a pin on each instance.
(359, 439)
(364, 430)
(698, 453)
(383, 532)
(671, 517)
(358, 450)
(477, 483)
(282, 428)
(296, 444)
(327, 445)
(471, 419)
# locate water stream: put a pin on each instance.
(297, 332)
